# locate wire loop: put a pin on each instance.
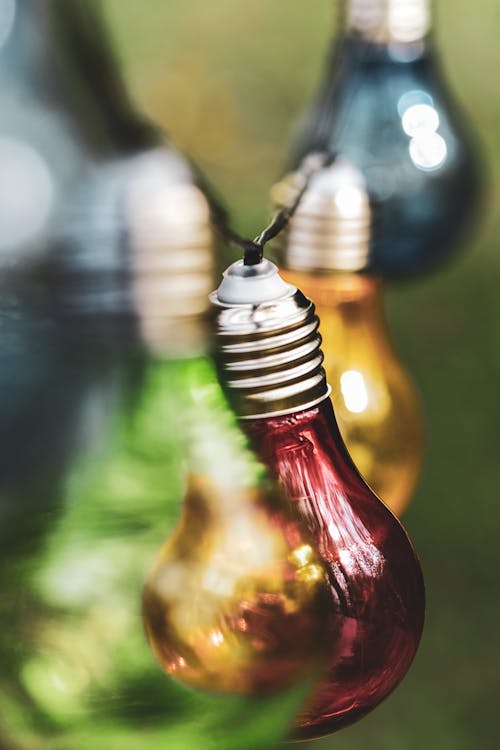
(254, 249)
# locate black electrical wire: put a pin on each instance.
(254, 249)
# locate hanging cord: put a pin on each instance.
(254, 249)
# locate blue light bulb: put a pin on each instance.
(385, 107)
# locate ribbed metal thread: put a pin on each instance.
(270, 355)
(137, 243)
(331, 228)
(402, 21)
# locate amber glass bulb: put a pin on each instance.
(376, 589)
(236, 600)
(376, 404)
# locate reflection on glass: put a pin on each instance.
(419, 118)
(384, 106)
(354, 391)
(428, 151)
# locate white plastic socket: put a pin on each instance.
(251, 285)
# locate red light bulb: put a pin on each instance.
(271, 361)
(377, 595)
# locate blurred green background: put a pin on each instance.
(228, 80)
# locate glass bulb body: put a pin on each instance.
(385, 108)
(234, 600)
(376, 587)
(376, 405)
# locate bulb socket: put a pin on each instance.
(332, 226)
(269, 354)
(389, 21)
(137, 244)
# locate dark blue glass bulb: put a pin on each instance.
(384, 106)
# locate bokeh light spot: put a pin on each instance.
(420, 118)
(428, 151)
(26, 193)
(354, 391)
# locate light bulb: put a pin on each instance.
(271, 361)
(324, 252)
(385, 107)
(235, 601)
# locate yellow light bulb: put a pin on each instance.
(375, 402)
(236, 599)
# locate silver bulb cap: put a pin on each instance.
(331, 228)
(269, 351)
(137, 242)
(390, 21)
